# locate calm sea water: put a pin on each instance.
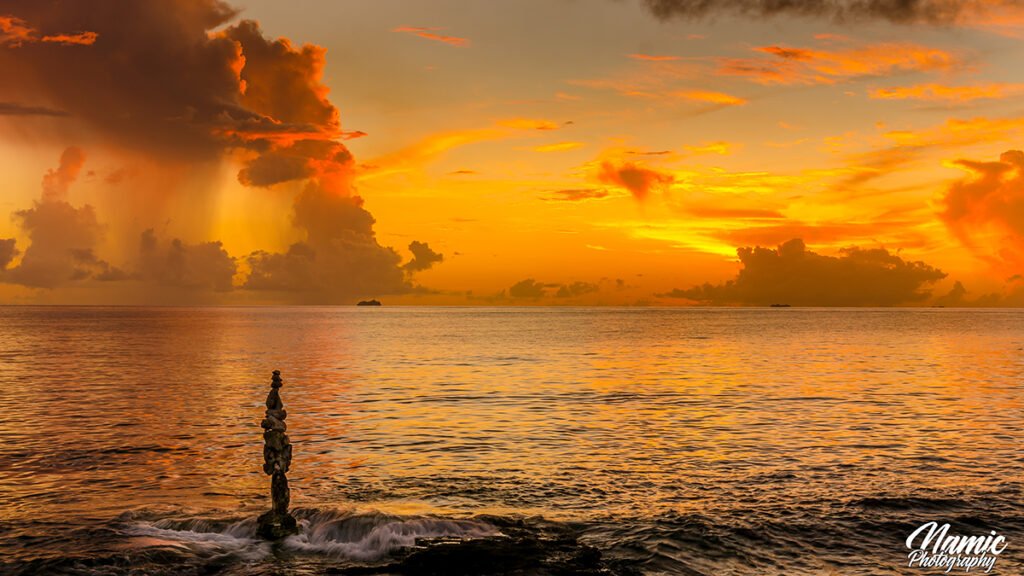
(544, 440)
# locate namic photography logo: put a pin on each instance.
(932, 546)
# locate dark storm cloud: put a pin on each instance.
(156, 77)
(299, 161)
(898, 11)
(153, 78)
(178, 81)
(792, 274)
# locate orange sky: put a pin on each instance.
(527, 152)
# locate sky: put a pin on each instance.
(550, 152)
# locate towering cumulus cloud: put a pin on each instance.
(792, 274)
(903, 11)
(178, 82)
(338, 260)
(63, 238)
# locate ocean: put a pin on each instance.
(528, 440)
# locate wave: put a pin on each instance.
(339, 534)
(329, 541)
(370, 537)
(852, 536)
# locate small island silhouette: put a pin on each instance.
(369, 303)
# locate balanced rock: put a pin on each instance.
(277, 458)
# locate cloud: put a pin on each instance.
(658, 86)
(706, 211)
(653, 58)
(528, 288)
(282, 81)
(15, 33)
(578, 194)
(203, 266)
(638, 179)
(828, 66)
(79, 39)
(955, 297)
(576, 289)
(792, 274)
(721, 148)
(529, 124)
(299, 161)
(818, 233)
(56, 182)
(339, 260)
(941, 93)
(897, 11)
(63, 241)
(165, 81)
(62, 237)
(986, 210)
(185, 86)
(906, 146)
(559, 147)
(423, 258)
(956, 132)
(8, 251)
(429, 34)
(171, 85)
(14, 109)
(429, 148)
(653, 78)
(1011, 295)
(710, 97)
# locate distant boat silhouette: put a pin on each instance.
(780, 305)
(369, 303)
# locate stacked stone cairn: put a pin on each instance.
(277, 457)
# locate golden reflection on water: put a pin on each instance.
(560, 412)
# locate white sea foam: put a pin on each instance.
(232, 539)
(357, 537)
(370, 537)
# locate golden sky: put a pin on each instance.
(622, 152)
